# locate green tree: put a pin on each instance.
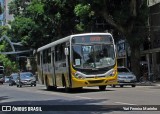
(38, 22)
(49, 20)
(85, 13)
(22, 29)
(128, 17)
(9, 65)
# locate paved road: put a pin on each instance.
(128, 96)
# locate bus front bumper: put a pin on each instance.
(93, 82)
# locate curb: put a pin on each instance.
(148, 84)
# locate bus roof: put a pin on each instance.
(67, 39)
(53, 43)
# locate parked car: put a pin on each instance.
(26, 78)
(1, 80)
(7, 78)
(1, 74)
(13, 78)
(125, 77)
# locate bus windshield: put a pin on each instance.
(91, 55)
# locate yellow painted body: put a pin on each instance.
(108, 80)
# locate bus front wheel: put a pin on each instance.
(102, 88)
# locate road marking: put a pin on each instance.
(83, 97)
(125, 103)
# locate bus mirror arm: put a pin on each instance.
(66, 51)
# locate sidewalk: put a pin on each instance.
(148, 84)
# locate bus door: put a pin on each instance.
(67, 54)
(53, 66)
(41, 67)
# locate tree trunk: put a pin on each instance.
(135, 60)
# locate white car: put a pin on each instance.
(125, 77)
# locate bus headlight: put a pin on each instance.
(112, 73)
(79, 76)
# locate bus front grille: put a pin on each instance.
(96, 77)
(95, 81)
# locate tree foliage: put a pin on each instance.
(127, 17)
(38, 22)
(9, 65)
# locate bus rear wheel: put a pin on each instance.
(102, 88)
(67, 89)
(49, 88)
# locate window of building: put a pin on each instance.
(157, 57)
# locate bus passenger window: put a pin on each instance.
(49, 56)
(59, 52)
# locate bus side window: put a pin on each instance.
(38, 58)
(62, 51)
(57, 53)
(60, 55)
(49, 55)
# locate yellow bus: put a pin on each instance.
(78, 61)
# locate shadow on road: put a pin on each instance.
(3, 98)
(63, 106)
(77, 91)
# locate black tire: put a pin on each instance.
(102, 88)
(133, 85)
(121, 85)
(49, 88)
(79, 88)
(67, 89)
(113, 86)
(34, 84)
(54, 88)
(17, 85)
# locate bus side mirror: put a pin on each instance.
(66, 51)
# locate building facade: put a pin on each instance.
(5, 18)
(150, 50)
(1, 16)
(152, 54)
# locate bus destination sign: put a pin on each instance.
(92, 39)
